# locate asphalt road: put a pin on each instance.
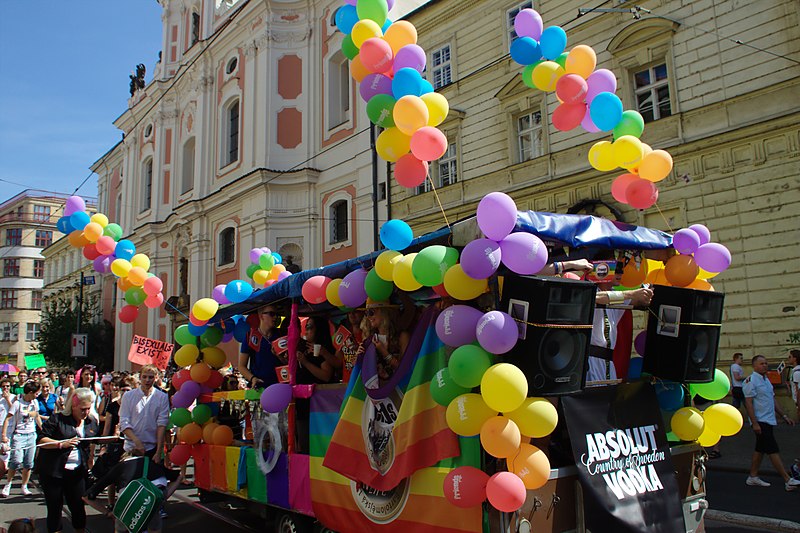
(728, 492)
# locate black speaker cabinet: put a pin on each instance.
(682, 340)
(552, 358)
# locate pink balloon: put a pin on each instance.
(686, 241)
(411, 56)
(376, 55)
(428, 143)
(641, 193)
(528, 23)
(465, 486)
(152, 285)
(600, 81)
(480, 258)
(154, 300)
(588, 125)
(105, 245)
(497, 215)
(455, 326)
(702, 231)
(506, 492)
(620, 185)
(314, 289)
(218, 294)
(713, 257)
(497, 332)
(569, 116)
(524, 253)
(410, 172)
(571, 89)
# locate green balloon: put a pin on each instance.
(631, 123)
(527, 75)
(377, 10)
(183, 337)
(211, 336)
(467, 365)
(380, 108)
(431, 263)
(135, 296)
(180, 416)
(562, 59)
(716, 390)
(201, 413)
(349, 48)
(443, 389)
(450, 258)
(266, 261)
(113, 230)
(376, 288)
(252, 270)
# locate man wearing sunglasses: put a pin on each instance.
(257, 361)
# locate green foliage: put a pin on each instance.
(794, 338)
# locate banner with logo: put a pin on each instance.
(146, 351)
(623, 459)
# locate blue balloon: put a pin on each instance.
(525, 51)
(606, 111)
(635, 368)
(238, 291)
(64, 226)
(125, 249)
(79, 219)
(228, 325)
(386, 26)
(407, 81)
(241, 331)
(552, 42)
(670, 395)
(396, 234)
(346, 18)
(277, 257)
(426, 86)
(197, 330)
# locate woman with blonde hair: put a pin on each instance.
(381, 324)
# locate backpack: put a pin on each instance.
(137, 502)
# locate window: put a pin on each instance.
(231, 154)
(41, 213)
(187, 178)
(511, 14)
(32, 335)
(227, 246)
(339, 222)
(195, 35)
(382, 191)
(38, 268)
(9, 331)
(440, 67)
(444, 171)
(231, 66)
(14, 237)
(652, 92)
(44, 238)
(147, 185)
(11, 268)
(8, 299)
(338, 90)
(529, 136)
(148, 131)
(36, 299)
(118, 207)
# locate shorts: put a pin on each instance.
(765, 442)
(23, 450)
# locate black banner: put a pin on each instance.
(623, 459)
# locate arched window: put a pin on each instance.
(195, 35)
(339, 221)
(147, 184)
(227, 247)
(187, 177)
(231, 134)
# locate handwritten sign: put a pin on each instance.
(146, 351)
(35, 361)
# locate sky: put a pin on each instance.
(64, 68)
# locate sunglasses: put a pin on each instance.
(370, 312)
(273, 314)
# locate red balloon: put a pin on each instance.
(128, 314)
(568, 116)
(506, 492)
(196, 321)
(428, 143)
(90, 252)
(620, 185)
(180, 454)
(215, 380)
(571, 89)
(465, 486)
(376, 54)
(440, 290)
(410, 172)
(270, 282)
(181, 377)
(641, 193)
(106, 245)
(313, 290)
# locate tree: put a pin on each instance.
(58, 324)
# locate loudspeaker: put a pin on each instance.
(682, 338)
(551, 354)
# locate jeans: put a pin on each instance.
(23, 450)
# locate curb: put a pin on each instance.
(760, 522)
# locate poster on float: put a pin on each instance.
(623, 459)
(146, 351)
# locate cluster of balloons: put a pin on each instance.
(706, 427)
(586, 98)
(388, 63)
(102, 243)
(265, 267)
(196, 426)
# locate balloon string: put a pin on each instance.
(665, 218)
(555, 326)
(662, 322)
(436, 194)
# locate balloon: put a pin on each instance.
(105, 245)
(180, 454)
(396, 234)
(384, 264)
(201, 414)
(462, 287)
(428, 143)
(466, 414)
(376, 54)
(77, 240)
(581, 61)
(222, 436)
(656, 165)
(669, 395)
(465, 486)
(376, 10)
(332, 292)
(531, 465)
(600, 81)
(377, 288)
(205, 308)
(536, 417)
(241, 330)
(715, 390)
(713, 257)
(190, 433)
(180, 417)
(123, 284)
(196, 326)
(260, 276)
(401, 33)
(187, 355)
(628, 151)
(633, 276)
(99, 218)
(681, 270)
(480, 258)
(455, 325)
(379, 110)
(497, 215)
(113, 230)
(266, 261)
(182, 336)
(641, 194)
(406, 81)
(524, 253)
(212, 355)
(252, 269)
(702, 232)
(567, 117)
(631, 124)
(314, 289)
(237, 291)
(467, 365)
(90, 252)
(124, 249)
(723, 419)
(190, 389)
(152, 285)
(546, 74)
(708, 438)
(438, 108)
(497, 332)
(137, 276)
(357, 70)
(276, 397)
(351, 289)
(503, 386)
(525, 51)
(392, 144)
(141, 261)
(211, 337)
(363, 30)
(500, 437)
(346, 17)
(528, 23)
(506, 491)
(410, 172)
(73, 205)
(571, 89)
(64, 225)
(685, 241)
(606, 110)
(102, 264)
(552, 42)
(687, 423)
(200, 372)
(180, 399)
(79, 220)
(657, 277)
(409, 56)
(208, 432)
(410, 114)
(601, 157)
(135, 296)
(700, 285)
(403, 274)
(444, 389)
(431, 263)
(639, 342)
(92, 231)
(128, 314)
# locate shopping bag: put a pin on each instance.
(137, 502)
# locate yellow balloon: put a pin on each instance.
(531, 465)
(724, 419)
(402, 275)
(652, 265)
(627, 151)
(656, 165)
(120, 267)
(536, 417)
(92, 231)
(467, 413)
(365, 29)
(601, 156)
(385, 263)
(399, 34)
(141, 260)
(705, 274)
(205, 308)
(357, 69)
(500, 437)
(546, 74)
(438, 108)
(392, 144)
(504, 387)
(410, 114)
(700, 285)
(214, 357)
(261, 276)
(708, 438)
(462, 287)
(581, 60)
(99, 218)
(332, 292)
(186, 355)
(137, 276)
(687, 423)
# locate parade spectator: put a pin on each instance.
(794, 379)
(381, 325)
(345, 357)
(24, 414)
(737, 380)
(22, 378)
(112, 453)
(46, 399)
(313, 360)
(54, 379)
(6, 399)
(761, 408)
(102, 401)
(63, 459)
(65, 388)
(87, 378)
(257, 361)
(143, 417)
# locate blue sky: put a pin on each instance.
(64, 70)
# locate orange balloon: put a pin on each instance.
(399, 34)
(191, 433)
(632, 276)
(681, 270)
(358, 70)
(655, 166)
(657, 277)
(200, 372)
(77, 239)
(124, 284)
(93, 231)
(208, 432)
(531, 465)
(223, 436)
(701, 285)
(137, 276)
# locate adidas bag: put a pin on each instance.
(137, 502)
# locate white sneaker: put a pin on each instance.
(792, 484)
(757, 482)
(26, 491)
(6, 491)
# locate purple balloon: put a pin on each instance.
(702, 231)
(410, 56)
(497, 215)
(255, 254)
(528, 23)
(218, 294)
(351, 2)
(390, 3)
(686, 241)
(374, 84)
(276, 397)
(351, 290)
(266, 250)
(588, 125)
(181, 400)
(283, 275)
(102, 264)
(455, 326)
(713, 257)
(497, 332)
(524, 253)
(73, 205)
(638, 342)
(227, 337)
(600, 81)
(190, 389)
(480, 258)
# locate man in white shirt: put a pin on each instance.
(794, 378)
(737, 380)
(143, 417)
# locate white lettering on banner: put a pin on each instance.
(625, 458)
